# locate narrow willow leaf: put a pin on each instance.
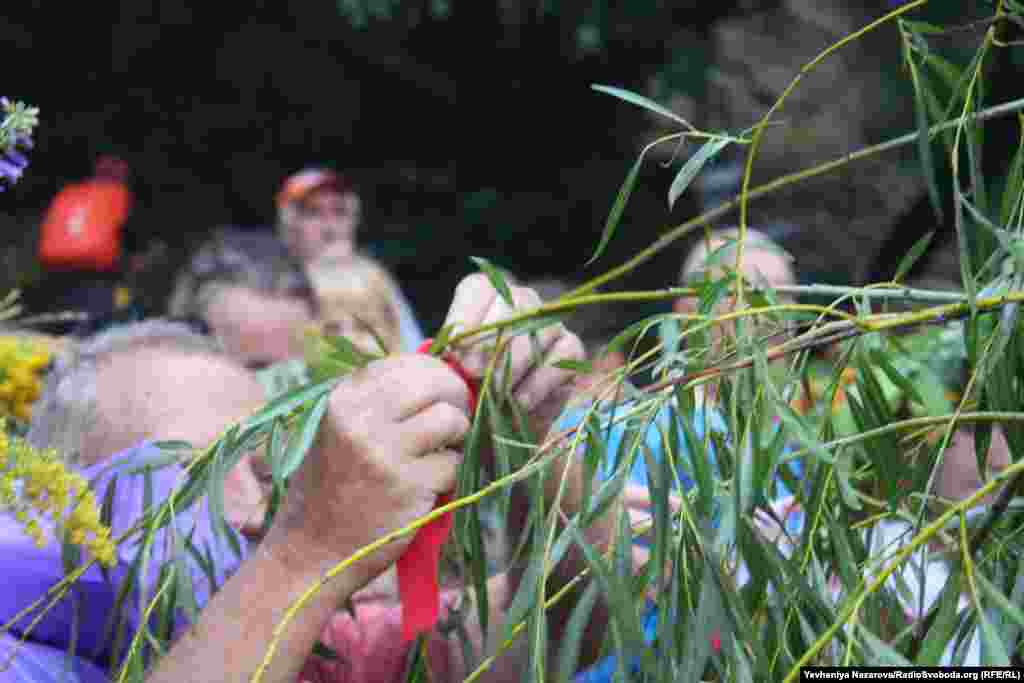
(693, 166)
(641, 101)
(185, 592)
(205, 562)
(284, 405)
(441, 339)
(617, 210)
(173, 445)
(1009, 244)
(895, 376)
(993, 649)
(580, 366)
(303, 436)
(575, 628)
(153, 461)
(924, 144)
(526, 593)
(622, 609)
(1012, 192)
(881, 653)
(496, 277)
(1000, 601)
(912, 256)
(943, 626)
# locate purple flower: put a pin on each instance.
(10, 171)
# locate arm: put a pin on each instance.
(380, 460)
(234, 631)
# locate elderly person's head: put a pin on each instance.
(146, 381)
(252, 296)
(764, 264)
(316, 209)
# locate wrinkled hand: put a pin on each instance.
(384, 453)
(541, 389)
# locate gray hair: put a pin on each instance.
(235, 257)
(66, 416)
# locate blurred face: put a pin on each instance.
(257, 329)
(762, 268)
(322, 219)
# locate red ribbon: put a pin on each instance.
(417, 567)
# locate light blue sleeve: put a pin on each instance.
(408, 327)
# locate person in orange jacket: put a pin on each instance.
(81, 248)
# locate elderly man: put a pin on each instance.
(764, 264)
(318, 216)
(387, 447)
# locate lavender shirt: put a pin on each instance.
(28, 572)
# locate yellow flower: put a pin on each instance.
(49, 489)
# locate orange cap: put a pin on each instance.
(299, 185)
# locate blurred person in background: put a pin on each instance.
(319, 214)
(765, 264)
(355, 300)
(249, 294)
(82, 247)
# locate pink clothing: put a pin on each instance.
(370, 647)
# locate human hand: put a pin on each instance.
(539, 387)
(384, 453)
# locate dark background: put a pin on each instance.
(467, 134)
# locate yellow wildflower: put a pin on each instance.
(50, 490)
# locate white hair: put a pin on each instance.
(755, 240)
(66, 416)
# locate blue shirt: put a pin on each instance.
(653, 437)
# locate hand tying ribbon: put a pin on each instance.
(417, 567)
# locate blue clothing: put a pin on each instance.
(29, 572)
(653, 440)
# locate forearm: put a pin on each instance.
(235, 630)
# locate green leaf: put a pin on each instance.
(693, 166)
(303, 436)
(881, 653)
(572, 634)
(993, 649)
(1014, 183)
(285, 404)
(641, 101)
(580, 366)
(617, 209)
(526, 593)
(496, 278)
(912, 256)
(895, 376)
(1000, 601)
(938, 636)
(924, 145)
(441, 339)
(622, 609)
